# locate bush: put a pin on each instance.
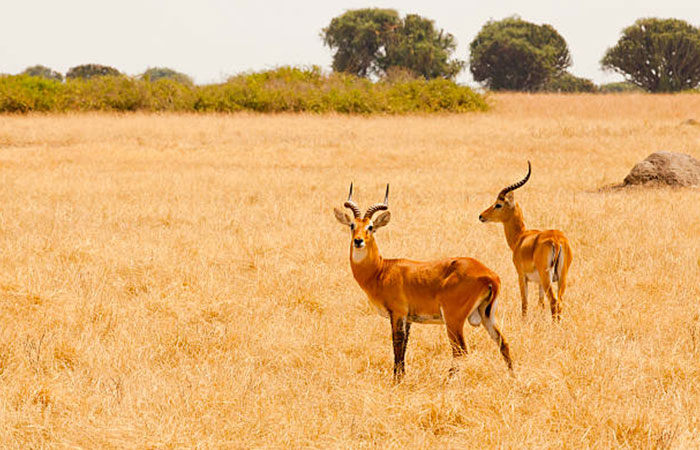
(24, 93)
(567, 82)
(87, 71)
(292, 89)
(620, 87)
(284, 89)
(107, 93)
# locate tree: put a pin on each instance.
(513, 54)
(157, 73)
(87, 71)
(420, 48)
(371, 41)
(359, 38)
(659, 55)
(43, 72)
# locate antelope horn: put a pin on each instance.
(352, 205)
(379, 206)
(514, 186)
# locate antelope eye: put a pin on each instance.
(352, 226)
(370, 228)
(498, 205)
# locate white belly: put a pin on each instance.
(533, 276)
(425, 318)
(381, 311)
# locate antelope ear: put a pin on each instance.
(510, 198)
(382, 220)
(342, 217)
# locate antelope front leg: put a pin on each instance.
(400, 327)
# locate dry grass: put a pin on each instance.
(180, 281)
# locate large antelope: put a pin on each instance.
(447, 291)
(542, 257)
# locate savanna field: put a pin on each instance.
(179, 281)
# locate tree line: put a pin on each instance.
(657, 55)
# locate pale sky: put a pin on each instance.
(213, 39)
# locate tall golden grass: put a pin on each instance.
(179, 281)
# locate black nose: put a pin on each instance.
(481, 218)
(358, 242)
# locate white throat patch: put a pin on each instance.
(358, 254)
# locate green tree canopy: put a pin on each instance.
(371, 41)
(43, 72)
(659, 55)
(158, 73)
(87, 71)
(359, 37)
(513, 54)
(417, 46)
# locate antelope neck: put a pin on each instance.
(369, 266)
(514, 227)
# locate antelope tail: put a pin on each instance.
(491, 299)
(557, 250)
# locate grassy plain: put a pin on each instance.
(179, 281)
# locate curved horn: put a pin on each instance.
(379, 206)
(514, 186)
(352, 205)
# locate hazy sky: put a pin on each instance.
(212, 39)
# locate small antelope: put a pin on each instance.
(542, 257)
(447, 291)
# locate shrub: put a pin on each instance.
(24, 93)
(620, 87)
(170, 95)
(106, 93)
(567, 82)
(283, 89)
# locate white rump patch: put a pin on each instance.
(475, 318)
(493, 307)
(560, 264)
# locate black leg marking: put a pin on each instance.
(400, 328)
